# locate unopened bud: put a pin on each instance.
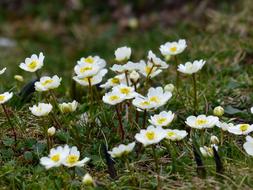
(218, 111)
(19, 78)
(169, 88)
(134, 76)
(88, 180)
(51, 131)
(214, 140)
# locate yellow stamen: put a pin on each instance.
(173, 49)
(115, 81)
(2, 97)
(72, 159)
(83, 69)
(148, 70)
(114, 97)
(55, 157)
(125, 90)
(154, 99)
(201, 121)
(171, 134)
(89, 60)
(161, 120)
(145, 103)
(46, 82)
(150, 135)
(244, 127)
(33, 65)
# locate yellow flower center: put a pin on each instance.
(66, 109)
(171, 134)
(115, 81)
(161, 120)
(244, 127)
(201, 121)
(150, 135)
(2, 97)
(145, 103)
(148, 70)
(46, 82)
(114, 98)
(173, 49)
(89, 60)
(125, 90)
(154, 99)
(72, 159)
(83, 69)
(55, 157)
(33, 65)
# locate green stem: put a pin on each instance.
(195, 93)
(10, 123)
(122, 132)
(157, 166)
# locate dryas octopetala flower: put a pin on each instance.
(162, 119)
(148, 69)
(126, 91)
(41, 109)
(56, 157)
(47, 83)
(173, 48)
(224, 126)
(156, 60)
(117, 80)
(122, 54)
(92, 60)
(128, 67)
(113, 98)
(68, 107)
(143, 103)
(248, 145)
(175, 135)
(158, 96)
(2, 71)
(241, 129)
(86, 81)
(51, 131)
(151, 135)
(72, 159)
(33, 63)
(5, 97)
(201, 121)
(190, 68)
(208, 151)
(122, 150)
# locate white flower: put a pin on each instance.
(208, 151)
(2, 71)
(149, 69)
(201, 121)
(169, 87)
(158, 96)
(122, 53)
(5, 97)
(92, 60)
(47, 83)
(68, 107)
(51, 131)
(162, 119)
(218, 111)
(241, 129)
(156, 60)
(175, 135)
(251, 110)
(126, 91)
(143, 103)
(84, 70)
(190, 68)
(122, 150)
(113, 98)
(223, 125)
(129, 66)
(248, 145)
(88, 180)
(72, 158)
(85, 119)
(56, 157)
(117, 80)
(151, 135)
(92, 80)
(173, 48)
(41, 110)
(33, 63)
(19, 78)
(134, 76)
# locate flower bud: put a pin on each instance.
(169, 88)
(214, 139)
(19, 78)
(134, 76)
(203, 151)
(251, 110)
(88, 180)
(51, 131)
(133, 23)
(218, 111)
